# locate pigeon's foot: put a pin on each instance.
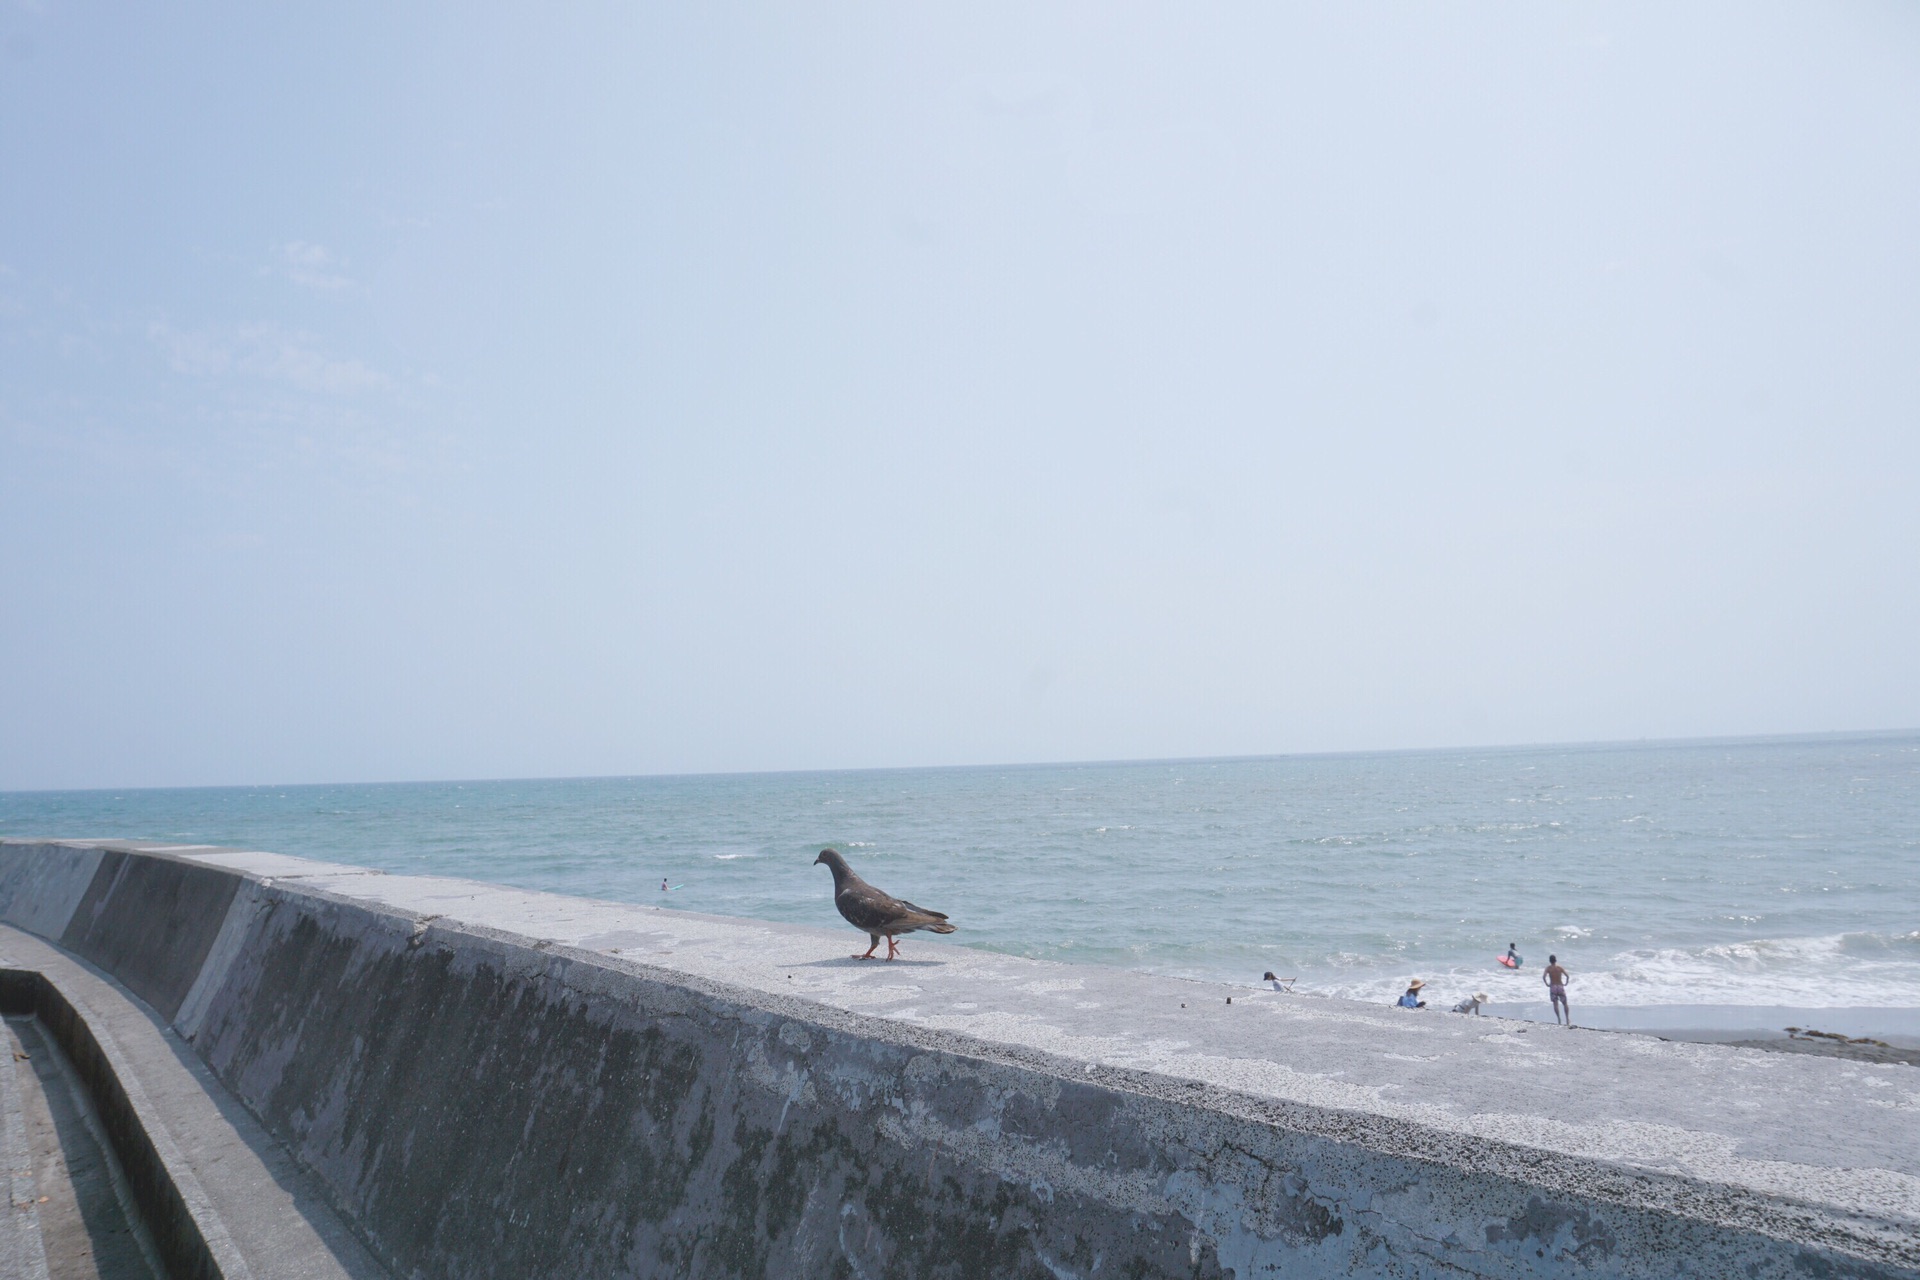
(893, 948)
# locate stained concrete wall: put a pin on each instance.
(41, 883)
(498, 1083)
(176, 1235)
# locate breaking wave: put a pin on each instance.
(1842, 970)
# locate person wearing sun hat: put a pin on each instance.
(1472, 1003)
(1412, 999)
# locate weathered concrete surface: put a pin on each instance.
(492, 1082)
(150, 922)
(38, 892)
(89, 1221)
(218, 1195)
(22, 1255)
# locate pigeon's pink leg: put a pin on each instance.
(892, 948)
(868, 954)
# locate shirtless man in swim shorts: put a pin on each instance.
(1556, 979)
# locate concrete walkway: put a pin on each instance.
(265, 1219)
(90, 1226)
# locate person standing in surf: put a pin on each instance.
(1556, 979)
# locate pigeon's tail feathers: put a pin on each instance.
(921, 918)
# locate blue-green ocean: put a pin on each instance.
(1749, 872)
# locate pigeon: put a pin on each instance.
(865, 907)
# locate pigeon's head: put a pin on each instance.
(833, 860)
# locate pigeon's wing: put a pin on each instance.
(937, 915)
(866, 907)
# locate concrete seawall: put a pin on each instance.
(494, 1082)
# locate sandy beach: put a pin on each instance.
(1870, 1034)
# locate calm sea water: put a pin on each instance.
(1745, 873)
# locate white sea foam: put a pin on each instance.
(1833, 971)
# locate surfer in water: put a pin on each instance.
(1512, 959)
(663, 884)
(1556, 979)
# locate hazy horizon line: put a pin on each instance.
(1750, 739)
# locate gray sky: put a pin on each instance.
(477, 391)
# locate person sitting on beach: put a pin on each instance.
(1278, 984)
(1472, 1003)
(1412, 999)
(1556, 979)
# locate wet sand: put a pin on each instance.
(1826, 1049)
(1752, 1026)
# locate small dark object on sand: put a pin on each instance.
(1795, 1033)
(1835, 1046)
(879, 914)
